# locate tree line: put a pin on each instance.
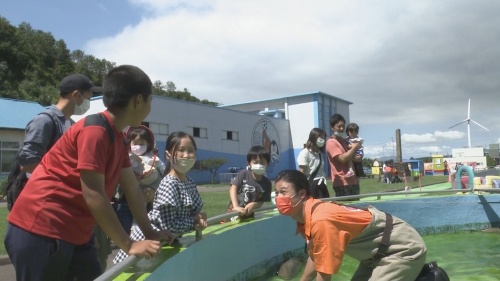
(33, 62)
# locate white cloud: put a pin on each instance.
(398, 70)
(414, 138)
(449, 135)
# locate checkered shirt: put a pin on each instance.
(174, 207)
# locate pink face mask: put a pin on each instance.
(284, 205)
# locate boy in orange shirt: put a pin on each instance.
(333, 230)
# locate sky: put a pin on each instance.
(407, 65)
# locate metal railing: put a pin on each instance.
(118, 268)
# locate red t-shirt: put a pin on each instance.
(334, 148)
(52, 203)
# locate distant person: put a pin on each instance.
(388, 173)
(339, 154)
(49, 235)
(148, 169)
(251, 188)
(177, 204)
(310, 162)
(333, 231)
(355, 168)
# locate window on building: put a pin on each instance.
(231, 135)
(199, 132)
(8, 154)
(158, 129)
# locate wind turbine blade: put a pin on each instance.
(480, 125)
(459, 123)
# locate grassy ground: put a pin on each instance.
(216, 202)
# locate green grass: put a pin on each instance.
(3, 228)
(216, 202)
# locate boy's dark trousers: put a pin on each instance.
(40, 258)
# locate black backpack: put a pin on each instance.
(17, 179)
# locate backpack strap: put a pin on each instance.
(386, 236)
(99, 119)
(55, 135)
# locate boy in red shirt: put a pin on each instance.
(49, 236)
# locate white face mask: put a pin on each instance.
(82, 108)
(258, 169)
(138, 149)
(337, 134)
(320, 142)
(183, 165)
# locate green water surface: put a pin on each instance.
(465, 256)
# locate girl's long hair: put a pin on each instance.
(313, 136)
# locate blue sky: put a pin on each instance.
(408, 65)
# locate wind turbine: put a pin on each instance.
(468, 120)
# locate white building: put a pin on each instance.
(473, 157)
(282, 125)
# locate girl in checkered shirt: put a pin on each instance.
(177, 203)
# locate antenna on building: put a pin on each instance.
(468, 120)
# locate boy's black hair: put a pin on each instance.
(313, 136)
(335, 119)
(298, 180)
(122, 83)
(353, 127)
(258, 151)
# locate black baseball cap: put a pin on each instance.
(77, 81)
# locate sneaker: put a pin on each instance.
(349, 174)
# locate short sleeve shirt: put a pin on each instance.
(334, 148)
(329, 230)
(250, 190)
(52, 202)
(175, 205)
(311, 159)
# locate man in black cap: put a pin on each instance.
(46, 128)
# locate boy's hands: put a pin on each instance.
(240, 210)
(250, 207)
(163, 235)
(145, 248)
(200, 221)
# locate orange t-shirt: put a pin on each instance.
(329, 231)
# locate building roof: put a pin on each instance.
(15, 114)
(289, 96)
